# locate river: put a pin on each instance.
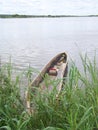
(34, 41)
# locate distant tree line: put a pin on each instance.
(40, 16)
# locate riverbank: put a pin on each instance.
(75, 109)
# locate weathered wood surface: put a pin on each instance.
(54, 61)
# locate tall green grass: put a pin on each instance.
(76, 107)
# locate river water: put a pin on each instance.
(34, 41)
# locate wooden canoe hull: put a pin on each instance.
(39, 80)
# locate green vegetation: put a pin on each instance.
(76, 107)
(41, 16)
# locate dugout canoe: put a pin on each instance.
(56, 69)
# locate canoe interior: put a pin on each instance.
(55, 70)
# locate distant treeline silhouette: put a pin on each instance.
(42, 16)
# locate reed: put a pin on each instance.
(76, 107)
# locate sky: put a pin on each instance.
(49, 7)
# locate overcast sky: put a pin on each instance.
(55, 7)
